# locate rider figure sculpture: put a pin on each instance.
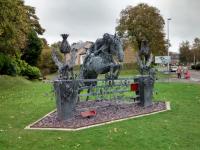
(101, 44)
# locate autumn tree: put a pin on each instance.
(196, 50)
(143, 22)
(45, 62)
(17, 20)
(185, 52)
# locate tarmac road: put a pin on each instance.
(195, 75)
(195, 78)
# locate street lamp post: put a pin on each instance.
(168, 41)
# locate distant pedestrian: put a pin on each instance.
(187, 74)
(179, 71)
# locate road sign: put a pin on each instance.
(162, 59)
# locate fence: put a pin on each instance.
(101, 89)
(69, 92)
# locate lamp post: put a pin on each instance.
(168, 43)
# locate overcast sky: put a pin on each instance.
(89, 19)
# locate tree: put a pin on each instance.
(17, 20)
(185, 52)
(196, 50)
(143, 21)
(33, 49)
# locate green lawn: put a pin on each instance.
(22, 102)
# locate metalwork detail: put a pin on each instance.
(118, 89)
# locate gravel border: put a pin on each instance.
(49, 122)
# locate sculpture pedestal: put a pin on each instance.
(145, 91)
(66, 93)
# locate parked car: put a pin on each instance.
(173, 68)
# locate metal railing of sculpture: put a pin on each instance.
(118, 90)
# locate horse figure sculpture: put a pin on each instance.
(100, 60)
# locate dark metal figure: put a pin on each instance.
(65, 68)
(147, 78)
(99, 59)
(145, 58)
(66, 88)
(65, 47)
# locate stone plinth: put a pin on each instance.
(66, 92)
(145, 91)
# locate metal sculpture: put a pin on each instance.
(100, 60)
(147, 78)
(144, 58)
(66, 88)
(65, 68)
(65, 47)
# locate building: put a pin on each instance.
(129, 53)
(81, 53)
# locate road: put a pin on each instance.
(195, 75)
(195, 78)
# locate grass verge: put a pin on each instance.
(22, 102)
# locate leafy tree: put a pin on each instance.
(185, 52)
(143, 21)
(17, 20)
(33, 49)
(56, 45)
(46, 63)
(196, 50)
(44, 43)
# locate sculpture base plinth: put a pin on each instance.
(145, 91)
(66, 97)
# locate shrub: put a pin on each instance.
(15, 66)
(26, 70)
(196, 67)
(7, 65)
(32, 72)
(193, 66)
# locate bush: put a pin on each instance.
(26, 70)
(15, 66)
(32, 72)
(7, 65)
(196, 67)
(193, 66)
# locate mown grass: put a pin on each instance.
(22, 102)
